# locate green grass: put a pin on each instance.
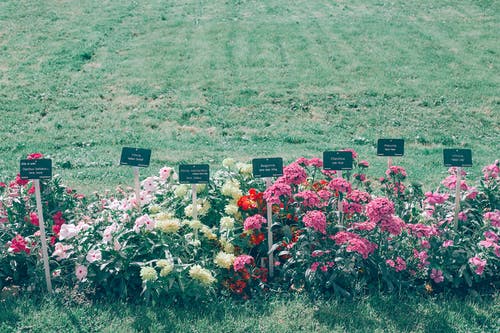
(199, 81)
(277, 314)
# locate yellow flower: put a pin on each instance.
(428, 288)
(224, 260)
(231, 189)
(148, 274)
(201, 274)
(168, 226)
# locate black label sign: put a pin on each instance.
(135, 157)
(337, 160)
(267, 167)
(36, 169)
(390, 147)
(457, 157)
(194, 173)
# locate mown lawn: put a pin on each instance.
(296, 313)
(199, 81)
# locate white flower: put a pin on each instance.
(224, 260)
(181, 191)
(68, 231)
(228, 162)
(93, 255)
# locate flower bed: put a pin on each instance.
(345, 235)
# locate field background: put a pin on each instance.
(198, 81)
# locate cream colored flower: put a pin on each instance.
(224, 260)
(201, 274)
(228, 162)
(231, 209)
(166, 267)
(168, 226)
(148, 274)
(227, 246)
(195, 224)
(226, 223)
(154, 209)
(207, 232)
(181, 191)
(200, 188)
(244, 169)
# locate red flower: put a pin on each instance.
(58, 219)
(256, 239)
(18, 244)
(35, 156)
(21, 182)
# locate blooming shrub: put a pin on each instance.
(331, 234)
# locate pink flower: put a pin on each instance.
(94, 255)
(351, 207)
(61, 251)
(390, 263)
(314, 266)
(273, 193)
(254, 222)
(451, 183)
(359, 196)
(363, 164)
(396, 171)
(447, 243)
(422, 256)
(379, 208)
(462, 216)
(436, 198)
(354, 243)
(425, 244)
(422, 230)
(478, 263)
(472, 193)
(58, 219)
(353, 152)
(392, 224)
(294, 174)
(493, 217)
(437, 275)
(368, 225)
(309, 198)
(146, 221)
(400, 264)
(81, 272)
(316, 220)
(165, 172)
(491, 171)
(324, 268)
(340, 185)
(240, 262)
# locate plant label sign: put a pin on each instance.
(390, 147)
(457, 157)
(194, 173)
(337, 160)
(136, 157)
(36, 169)
(267, 167)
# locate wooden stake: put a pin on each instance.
(137, 188)
(195, 208)
(270, 240)
(457, 196)
(43, 237)
(389, 162)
